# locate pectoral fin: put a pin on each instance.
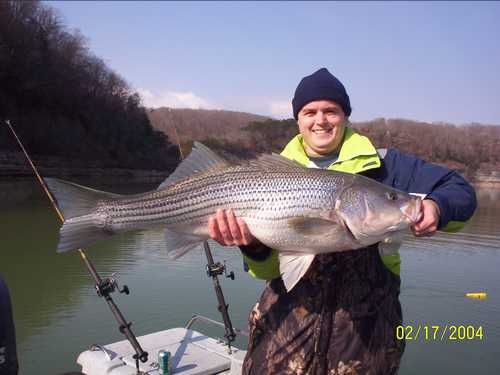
(293, 266)
(311, 226)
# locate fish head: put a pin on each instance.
(371, 210)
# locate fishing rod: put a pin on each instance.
(104, 287)
(213, 271)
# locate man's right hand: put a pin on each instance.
(229, 230)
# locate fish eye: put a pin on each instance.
(392, 196)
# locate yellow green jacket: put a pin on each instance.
(455, 197)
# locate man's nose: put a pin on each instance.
(320, 117)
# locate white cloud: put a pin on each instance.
(173, 99)
(281, 109)
(278, 108)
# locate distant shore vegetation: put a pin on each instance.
(65, 101)
(469, 149)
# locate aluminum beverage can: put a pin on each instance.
(165, 362)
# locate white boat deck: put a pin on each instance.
(192, 354)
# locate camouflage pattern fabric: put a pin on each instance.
(339, 319)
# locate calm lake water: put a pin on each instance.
(58, 314)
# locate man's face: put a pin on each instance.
(322, 124)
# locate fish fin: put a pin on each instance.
(179, 244)
(311, 226)
(201, 159)
(391, 243)
(272, 161)
(81, 226)
(76, 200)
(293, 266)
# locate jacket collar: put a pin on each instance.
(357, 154)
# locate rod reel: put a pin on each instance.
(110, 285)
(217, 269)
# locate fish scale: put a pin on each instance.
(200, 197)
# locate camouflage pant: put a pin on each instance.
(339, 319)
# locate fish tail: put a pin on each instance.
(82, 224)
(80, 232)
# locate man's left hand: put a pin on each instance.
(428, 223)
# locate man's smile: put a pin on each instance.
(322, 131)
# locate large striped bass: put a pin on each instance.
(296, 210)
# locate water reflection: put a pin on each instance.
(58, 315)
(436, 272)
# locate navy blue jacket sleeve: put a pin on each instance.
(8, 354)
(455, 197)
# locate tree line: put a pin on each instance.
(197, 123)
(66, 101)
(466, 148)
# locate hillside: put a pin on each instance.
(473, 149)
(200, 124)
(65, 102)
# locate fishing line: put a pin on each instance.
(103, 287)
(39, 178)
(43, 185)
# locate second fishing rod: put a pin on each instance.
(214, 270)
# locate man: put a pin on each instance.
(8, 355)
(341, 316)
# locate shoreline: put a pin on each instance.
(18, 190)
(14, 165)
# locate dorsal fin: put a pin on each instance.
(274, 161)
(201, 159)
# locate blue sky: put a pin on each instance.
(429, 61)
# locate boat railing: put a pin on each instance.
(202, 318)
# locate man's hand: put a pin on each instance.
(428, 223)
(228, 230)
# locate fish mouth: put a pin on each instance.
(413, 210)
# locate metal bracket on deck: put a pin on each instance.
(202, 318)
(109, 354)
